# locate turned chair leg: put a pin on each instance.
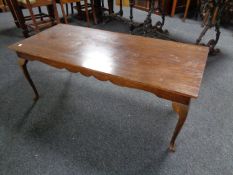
(93, 11)
(72, 8)
(174, 7)
(63, 13)
(110, 6)
(67, 9)
(87, 13)
(186, 9)
(40, 12)
(23, 65)
(182, 111)
(32, 16)
(56, 16)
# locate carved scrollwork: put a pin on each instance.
(211, 11)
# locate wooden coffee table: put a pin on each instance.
(169, 70)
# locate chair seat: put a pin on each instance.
(24, 1)
(35, 3)
(69, 1)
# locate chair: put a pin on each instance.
(174, 6)
(80, 7)
(3, 7)
(187, 8)
(46, 20)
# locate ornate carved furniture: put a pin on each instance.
(214, 7)
(170, 70)
(227, 13)
(212, 12)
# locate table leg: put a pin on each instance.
(23, 65)
(182, 111)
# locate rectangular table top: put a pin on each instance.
(152, 63)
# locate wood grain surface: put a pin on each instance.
(161, 67)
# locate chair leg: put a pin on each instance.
(174, 7)
(72, 8)
(197, 8)
(214, 18)
(40, 12)
(93, 11)
(67, 9)
(63, 13)
(56, 16)
(87, 13)
(163, 5)
(186, 9)
(79, 9)
(102, 7)
(13, 12)
(32, 16)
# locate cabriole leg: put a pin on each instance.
(23, 65)
(182, 111)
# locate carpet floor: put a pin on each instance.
(82, 126)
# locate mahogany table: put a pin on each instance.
(169, 70)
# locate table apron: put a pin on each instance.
(121, 81)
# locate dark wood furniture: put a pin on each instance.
(3, 6)
(186, 5)
(186, 9)
(214, 9)
(40, 21)
(88, 8)
(170, 70)
(21, 20)
(66, 2)
(174, 6)
(142, 4)
(100, 8)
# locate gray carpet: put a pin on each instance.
(83, 126)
